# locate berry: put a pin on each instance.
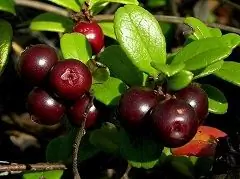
(76, 112)
(174, 122)
(70, 79)
(93, 33)
(197, 98)
(44, 108)
(35, 63)
(135, 103)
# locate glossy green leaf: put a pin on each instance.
(140, 36)
(7, 6)
(76, 46)
(216, 100)
(201, 53)
(200, 30)
(121, 66)
(215, 32)
(51, 22)
(74, 5)
(54, 174)
(107, 28)
(208, 70)
(110, 91)
(180, 80)
(5, 43)
(230, 72)
(168, 70)
(231, 40)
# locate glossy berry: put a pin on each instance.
(197, 98)
(134, 105)
(44, 108)
(93, 33)
(174, 122)
(76, 112)
(35, 63)
(70, 79)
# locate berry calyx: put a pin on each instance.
(134, 105)
(70, 79)
(197, 98)
(44, 108)
(93, 33)
(77, 110)
(174, 122)
(35, 63)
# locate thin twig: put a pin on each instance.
(236, 6)
(162, 18)
(78, 139)
(17, 48)
(125, 175)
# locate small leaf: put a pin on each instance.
(5, 43)
(76, 46)
(230, 72)
(51, 22)
(100, 75)
(110, 91)
(168, 70)
(215, 32)
(156, 3)
(7, 6)
(54, 174)
(231, 40)
(180, 80)
(217, 103)
(200, 30)
(107, 28)
(208, 70)
(74, 5)
(120, 65)
(201, 53)
(140, 36)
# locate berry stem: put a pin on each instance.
(125, 175)
(78, 138)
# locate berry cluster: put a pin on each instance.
(60, 86)
(174, 119)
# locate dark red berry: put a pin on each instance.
(76, 112)
(70, 79)
(175, 122)
(197, 98)
(134, 104)
(44, 108)
(35, 63)
(93, 33)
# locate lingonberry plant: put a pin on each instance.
(159, 101)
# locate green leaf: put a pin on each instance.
(230, 72)
(51, 22)
(74, 5)
(5, 43)
(140, 152)
(201, 53)
(101, 75)
(107, 138)
(215, 32)
(110, 91)
(168, 70)
(231, 40)
(107, 28)
(156, 3)
(7, 6)
(140, 36)
(208, 70)
(200, 30)
(54, 174)
(121, 66)
(180, 80)
(76, 46)
(217, 103)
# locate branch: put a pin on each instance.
(162, 18)
(13, 168)
(236, 6)
(78, 139)
(125, 175)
